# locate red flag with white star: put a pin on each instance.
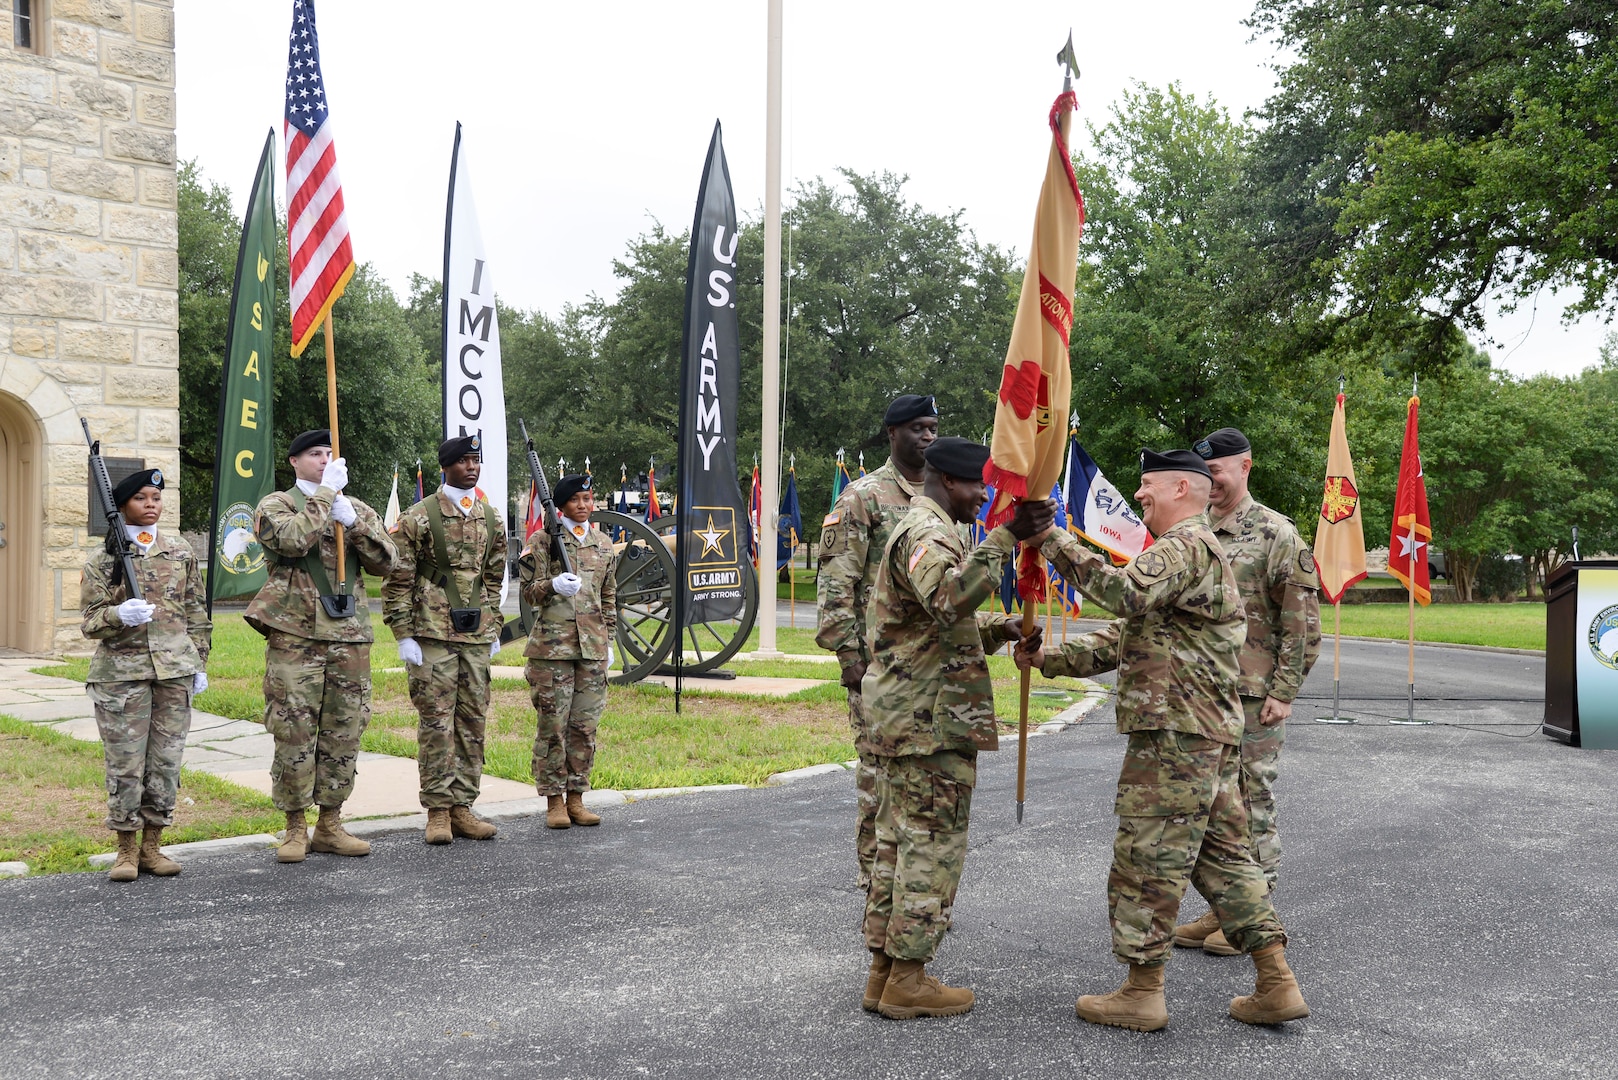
(1412, 527)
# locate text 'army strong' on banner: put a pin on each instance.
(712, 516)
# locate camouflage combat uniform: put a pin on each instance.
(852, 540)
(929, 709)
(1275, 575)
(140, 677)
(450, 688)
(567, 655)
(317, 670)
(1180, 814)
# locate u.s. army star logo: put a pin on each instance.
(711, 537)
(1151, 563)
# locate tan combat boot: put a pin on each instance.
(1277, 997)
(911, 992)
(438, 830)
(556, 816)
(577, 812)
(152, 859)
(1217, 944)
(465, 823)
(876, 979)
(127, 865)
(296, 843)
(1193, 934)
(332, 839)
(1137, 1005)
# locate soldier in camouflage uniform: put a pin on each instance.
(1180, 815)
(929, 709)
(148, 663)
(317, 669)
(1275, 575)
(852, 540)
(569, 651)
(442, 602)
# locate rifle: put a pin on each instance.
(553, 520)
(117, 537)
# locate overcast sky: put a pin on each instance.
(586, 122)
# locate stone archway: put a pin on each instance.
(22, 569)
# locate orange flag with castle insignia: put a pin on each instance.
(1340, 536)
(1027, 451)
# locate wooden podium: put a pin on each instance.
(1581, 654)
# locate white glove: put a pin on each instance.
(494, 648)
(343, 511)
(134, 612)
(410, 651)
(567, 584)
(609, 656)
(336, 474)
(199, 682)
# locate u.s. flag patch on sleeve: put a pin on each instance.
(915, 557)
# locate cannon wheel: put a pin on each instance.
(708, 645)
(645, 604)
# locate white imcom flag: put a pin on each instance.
(474, 393)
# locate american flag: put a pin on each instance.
(322, 258)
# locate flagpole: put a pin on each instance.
(770, 433)
(336, 450)
(1022, 707)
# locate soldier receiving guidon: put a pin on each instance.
(442, 602)
(149, 661)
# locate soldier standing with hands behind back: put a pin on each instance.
(1275, 575)
(569, 651)
(852, 540)
(317, 669)
(1180, 814)
(148, 663)
(442, 602)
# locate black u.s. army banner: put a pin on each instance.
(244, 470)
(711, 553)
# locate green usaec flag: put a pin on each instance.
(244, 468)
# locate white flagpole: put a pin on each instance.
(770, 449)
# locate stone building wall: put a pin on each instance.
(88, 264)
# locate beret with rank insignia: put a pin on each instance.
(131, 484)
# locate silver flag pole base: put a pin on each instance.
(1410, 719)
(1336, 717)
(1019, 813)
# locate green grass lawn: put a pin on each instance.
(1514, 626)
(53, 802)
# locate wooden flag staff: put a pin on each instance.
(331, 409)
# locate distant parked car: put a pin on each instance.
(1437, 565)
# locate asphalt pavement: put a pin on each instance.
(1448, 891)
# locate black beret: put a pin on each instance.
(129, 485)
(1172, 461)
(906, 407)
(452, 450)
(308, 440)
(569, 486)
(958, 457)
(1226, 442)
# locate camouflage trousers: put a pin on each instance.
(1181, 820)
(865, 788)
(1261, 763)
(924, 806)
(317, 701)
(568, 695)
(143, 727)
(450, 690)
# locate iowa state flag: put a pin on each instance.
(1030, 419)
(1098, 511)
(1340, 536)
(1412, 528)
